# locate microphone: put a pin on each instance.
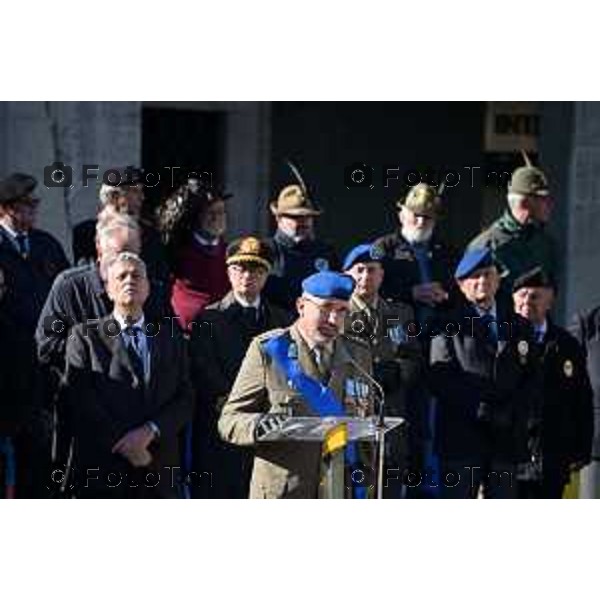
(381, 404)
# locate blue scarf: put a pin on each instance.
(319, 397)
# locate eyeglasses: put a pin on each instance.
(253, 269)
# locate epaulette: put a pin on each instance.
(356, 340)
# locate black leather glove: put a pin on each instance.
(268, 424)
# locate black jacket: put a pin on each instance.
(220, 344)
(484, 394)
(217, 351)
(77, 294)
(28, 281)
(564, 419)
(293, 263)
(402, 269)
(106, 400)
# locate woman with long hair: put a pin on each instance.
(193, 220)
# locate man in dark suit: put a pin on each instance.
(218, 347)
(561, 426)
(79, 293)
(484, 375)
(30, 259)
(127, 384)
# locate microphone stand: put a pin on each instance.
(379, 428)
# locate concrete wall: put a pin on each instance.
(570, 153)
(34, 134)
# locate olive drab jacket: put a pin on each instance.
(285, 469)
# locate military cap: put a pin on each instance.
(528, 181)
(534, 278)
(478, 258)
(422, 199)
(328, 285)
(249, 250)
(362, 253)
(294, 201)
(16, 187)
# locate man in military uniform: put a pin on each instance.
(31, 259)
(561, 425)
(308, 369)
(484, 375)
(397, 356)
(418, 265)
(218, 347)
(297, 253)
(519, 238)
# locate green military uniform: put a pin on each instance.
(520, 247)
(285, 469)
(397, 365)
(396, 356)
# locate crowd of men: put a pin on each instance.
(164, 361)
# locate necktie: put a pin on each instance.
(539, 336)
(490, 328)
(21, 240)
(423, 261)
(421, 252)
(136, 351)
(323, 360)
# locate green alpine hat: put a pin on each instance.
(422, 199)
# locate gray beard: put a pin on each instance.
(416, 237)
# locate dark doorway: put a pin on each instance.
(324, 138)
(190, 140)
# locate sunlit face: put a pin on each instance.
(213, 219)
(321, 320)
(368, 277)
(416, 227)
(127, 286)
(481, 286)
(247, 279)
(533, 303)
(298, 227)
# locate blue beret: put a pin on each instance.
(362, 253)
(329, 285)
(473, 260)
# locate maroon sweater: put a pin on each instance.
(199, 279)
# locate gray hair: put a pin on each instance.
(129, 257)
(109, 224)
(109, 193)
